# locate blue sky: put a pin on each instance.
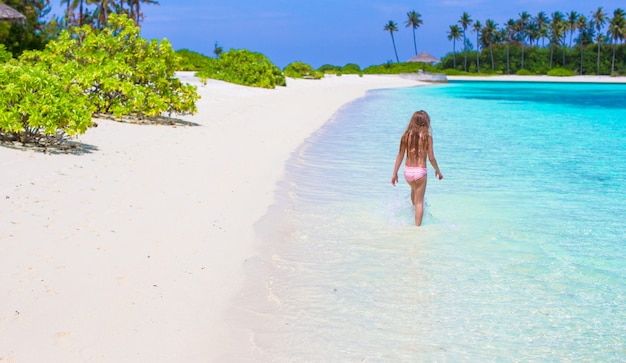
(331, 31)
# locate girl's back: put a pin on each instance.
(416, 141)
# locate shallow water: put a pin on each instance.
(522, 256)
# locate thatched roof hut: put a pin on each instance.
(424, 57)
(7, 13)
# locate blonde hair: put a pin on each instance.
(416, 135)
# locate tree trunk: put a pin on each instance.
(551, 55)
(394, 47)
(508, 65)
(82, 17)
(598, 64)
(613, 60)
(581, 57)
(477, 55)
(464, 52)
(454, 54)
(67, 13)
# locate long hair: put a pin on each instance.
(416, 135)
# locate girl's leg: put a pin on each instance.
(418, 189)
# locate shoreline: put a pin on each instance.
(541, 79)
(132, 247)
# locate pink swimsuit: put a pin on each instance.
(413, 173)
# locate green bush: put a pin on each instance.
(329, 69)
(192, 61)
(560, 72)
(5, 55)
(241, 66)
(524, 72)
(301, 70)
(120, 72)
(397, 68)
(456, 72)
(36, 107)
(351, 68)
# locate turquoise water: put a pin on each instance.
(522, 256)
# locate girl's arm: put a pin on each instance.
(431, 158)
(399, 158)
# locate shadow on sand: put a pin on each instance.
(56, 145)
(65, 147)
(155, 120)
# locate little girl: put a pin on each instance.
(417, 143)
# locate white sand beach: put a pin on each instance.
(131, 248)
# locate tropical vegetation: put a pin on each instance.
(350, 68)
(49, 93)
(96, 12)
(5, 55)
(525, 44)
(39, 27)
(301, 70)
(414, 21)
(244, 67)
(39, 108)
(391, 27)
(33, 33)
(121, 73)
(571, 42)
(192, 61)
(404, 67)
(528, 44)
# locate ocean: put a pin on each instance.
(522, 252)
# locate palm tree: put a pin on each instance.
(70, 15)
(564, 29)
(542, 25)
(532, 30)
(599, 19)
(582, 27)
(135, 9)
(522, 24)
(465, 22)
(83, 11)
(104, 8)
(129, 8)
(502, 37)
(414, 21)
(217, 50)
(488, 37)
(509, 33)
(557, 29)
(454, 34)
(477, 27)
(572, 22)
(617, 31)
(68, 12)
(392, 27)
(121, 10)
